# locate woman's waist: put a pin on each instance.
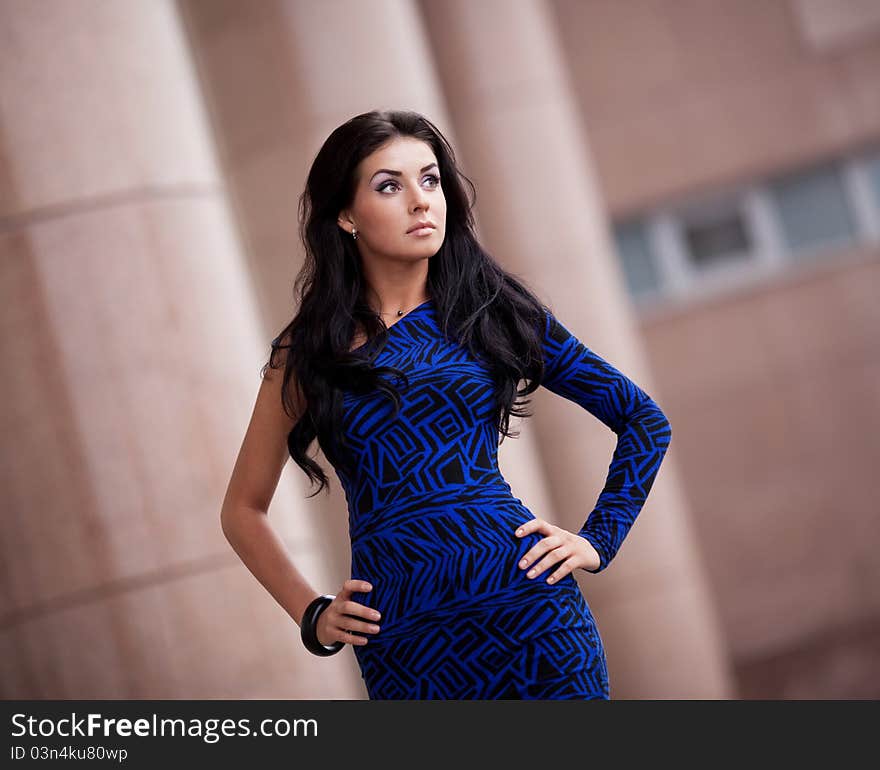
(376, 512)
(458, 557)
(511, 608)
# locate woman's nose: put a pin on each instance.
(420, 201)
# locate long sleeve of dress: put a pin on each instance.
(575, 372)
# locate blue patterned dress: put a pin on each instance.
(432, 523)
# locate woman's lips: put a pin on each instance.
(421, 231)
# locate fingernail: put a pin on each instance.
(519, 532)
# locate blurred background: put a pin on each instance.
(692, 185)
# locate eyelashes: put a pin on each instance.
(387, 182)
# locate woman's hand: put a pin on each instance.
(341, 617)
(560, 545)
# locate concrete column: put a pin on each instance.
(543, 216)
(131, 349)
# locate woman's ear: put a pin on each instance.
(345, 222)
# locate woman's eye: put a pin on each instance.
(381, 187)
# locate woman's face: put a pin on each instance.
(398, 186)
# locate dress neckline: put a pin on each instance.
(389, 327)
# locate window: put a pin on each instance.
(737, 235)
(716, 238)
(635, 253)
(813, 209)
(872, 167)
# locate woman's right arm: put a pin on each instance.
(244, 513)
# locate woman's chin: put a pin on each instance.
(424, 251)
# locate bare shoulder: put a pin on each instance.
(264, 451)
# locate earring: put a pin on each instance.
(354, 233)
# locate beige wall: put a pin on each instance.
(688, 94)
(776, 393)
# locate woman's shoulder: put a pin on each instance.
(273, 375)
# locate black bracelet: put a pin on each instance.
(309, 624)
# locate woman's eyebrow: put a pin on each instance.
(398, 173)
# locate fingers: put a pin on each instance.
(353, 629)
(350, 607)
(346, 616)
(560, 545)
(538, 568)
(349, 637)
(553, 546)
(354, 586)
(546, 544)
(564, 569)
(533, 525)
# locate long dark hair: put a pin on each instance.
(478, 304)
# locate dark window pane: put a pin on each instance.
(719, 240)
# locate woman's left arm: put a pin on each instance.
(575, 372)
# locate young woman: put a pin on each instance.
(404, 361)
